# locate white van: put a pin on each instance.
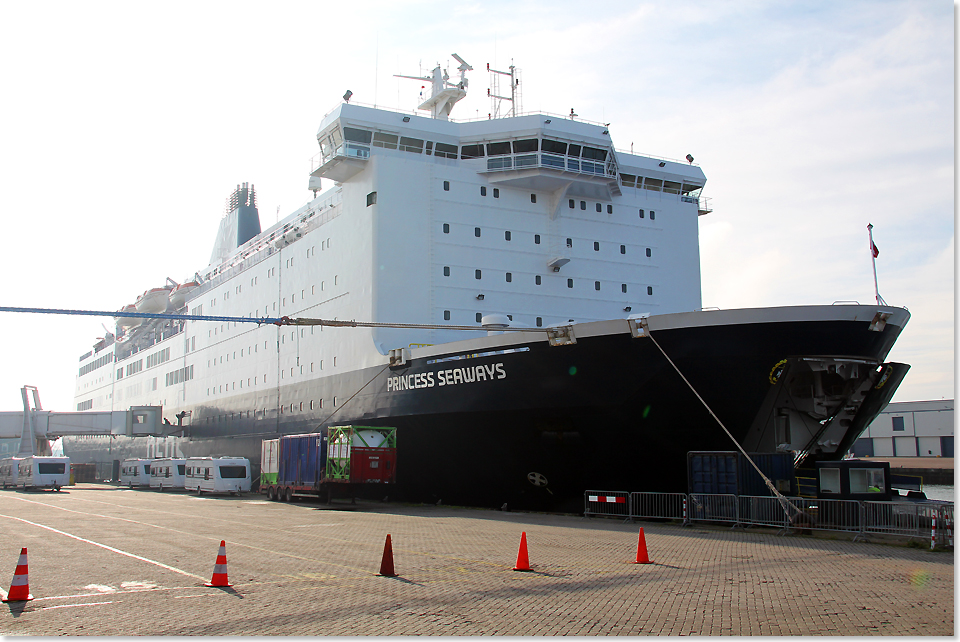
(44, 472)
(135, 473)
(168, 474)
(218, 475)
(9, 471)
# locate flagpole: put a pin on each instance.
(873, 256)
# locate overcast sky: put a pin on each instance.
(126, 125)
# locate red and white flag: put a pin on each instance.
(874, 249)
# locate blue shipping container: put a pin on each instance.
(729, 472)
(302, 459)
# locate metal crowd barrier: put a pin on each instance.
(712, 508)
(608, 503)
(762, 511)
(931, 520)
(665, 505)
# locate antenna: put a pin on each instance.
(494, 92)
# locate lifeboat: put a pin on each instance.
(128, 322)
(179, 294)
(154, 300)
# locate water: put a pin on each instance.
(936, 491)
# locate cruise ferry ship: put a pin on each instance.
(530, 320)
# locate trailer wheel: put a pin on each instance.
(199, 491)
(288, 495)
(270, 494)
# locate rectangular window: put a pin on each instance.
(446, 151)
(371, 199)
(572, 204)
(553, 146)
(897, 423)
(479, 317)
(498, 149)
(356, 135)
(471, 151)
(506, 235)
(446, 315)
(649, 289)
(496, 192)
(477, 274)
(623, 288)
(583, 205)
(483, 190)
(388, 141)
(533, 198)
(653, 215)
(509, 277)
(569, 242)
(596, 246)
(623, 249)
(476, 232)
(446, 228)
(596, 285)
(569, 283)
(446, 270)
(446, 186)
(526, 145)
(599, 207)
(538, 279)
(413, 145)
(539, 322)
(641, 213)
(649, 253)
(536, 239)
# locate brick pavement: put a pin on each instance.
(124, 562)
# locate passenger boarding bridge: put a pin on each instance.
(37, 427)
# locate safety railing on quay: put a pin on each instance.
(933, 520)
(606, 503)
(658, 505)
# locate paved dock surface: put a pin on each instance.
(107, 561)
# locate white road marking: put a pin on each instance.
(102, 588)
(67, 606)
(104, 546)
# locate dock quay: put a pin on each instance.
(933, 470)
(110, 561)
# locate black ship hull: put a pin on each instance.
(513, 419)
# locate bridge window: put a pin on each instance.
(497, 149)
(525, 145)
(471, 151)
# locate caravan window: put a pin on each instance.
(51, 468)
(233, 472)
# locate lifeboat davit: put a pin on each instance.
(128, 322)
(154, 300)
(179, 294)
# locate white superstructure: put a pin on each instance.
(535, 217)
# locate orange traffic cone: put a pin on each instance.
(20, 587)
(220, 568)
(386, 564)
(523, 561)
(642, 557)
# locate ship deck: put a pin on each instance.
(101, 557)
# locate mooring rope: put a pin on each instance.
(784, 502)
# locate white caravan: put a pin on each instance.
(44, 472)
(168, 474)
(218, 475)
(135, 473)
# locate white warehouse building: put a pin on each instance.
(909, 429)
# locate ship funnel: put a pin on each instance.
(240, 223)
